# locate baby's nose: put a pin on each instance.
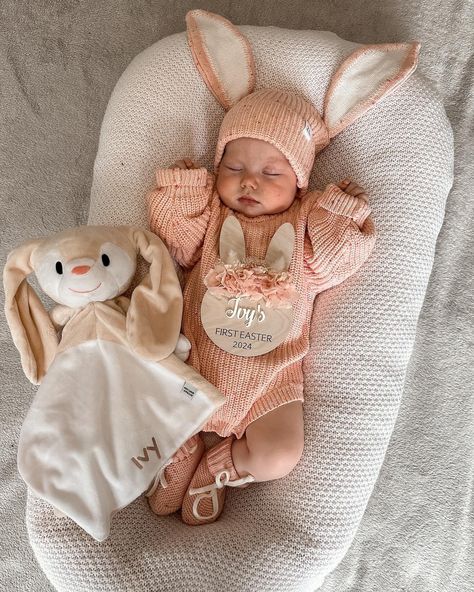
(80, 269)
(248, 181)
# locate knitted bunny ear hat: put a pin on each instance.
(285, 120)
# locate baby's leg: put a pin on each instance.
(272, 445)
(270, 448)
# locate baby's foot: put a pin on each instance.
(204, 500)
(171, 485)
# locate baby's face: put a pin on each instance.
(255, 178)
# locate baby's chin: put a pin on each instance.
(251, 211)
(258, 210)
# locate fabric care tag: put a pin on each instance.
(189, 389)
(248, 308)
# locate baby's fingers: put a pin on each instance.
(180, 164)
(352, 189)
(185, 163)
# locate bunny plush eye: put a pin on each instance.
(59, 267)
(105, 260)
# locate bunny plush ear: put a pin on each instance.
(364, 78)
(32, 330)
(222, 55)
(154, 316)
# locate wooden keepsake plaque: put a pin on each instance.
(243, 327)
(243, 323)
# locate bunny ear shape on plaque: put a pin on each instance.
(222, 55)
(280, 249)
(364, 78)
(232, 242)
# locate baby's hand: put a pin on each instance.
(352, 189)
(186, 163)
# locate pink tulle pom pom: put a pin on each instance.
(256, 282)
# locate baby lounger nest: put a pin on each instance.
(290, 533)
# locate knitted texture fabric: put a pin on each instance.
(285, 120)
(289, 533)
(334, 237)
(217, 459)
(169, 498)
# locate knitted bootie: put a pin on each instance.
(204, 499)
(165, 495)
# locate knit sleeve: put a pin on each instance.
(341, 237)
(178, 211)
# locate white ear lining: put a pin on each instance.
(222, 55)
(355, 82)
(367, 76)
(227, 60)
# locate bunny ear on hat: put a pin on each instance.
(224, 58)
(368, 75)
(222, 55)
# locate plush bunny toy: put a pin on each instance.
(115, 402)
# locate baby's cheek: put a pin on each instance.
(284, 191)
(222, 183)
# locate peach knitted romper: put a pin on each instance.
(334, 236)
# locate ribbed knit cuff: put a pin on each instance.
(181, 177)
(337, 201)
(187, 448)
(220, 458)
(270, 401)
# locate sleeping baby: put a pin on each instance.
(255, 246)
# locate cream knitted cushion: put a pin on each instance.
(288, 534)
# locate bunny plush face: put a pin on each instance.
(84, 265)
(73, 272)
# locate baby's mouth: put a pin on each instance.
(247, 199)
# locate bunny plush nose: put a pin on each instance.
(80, 269)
